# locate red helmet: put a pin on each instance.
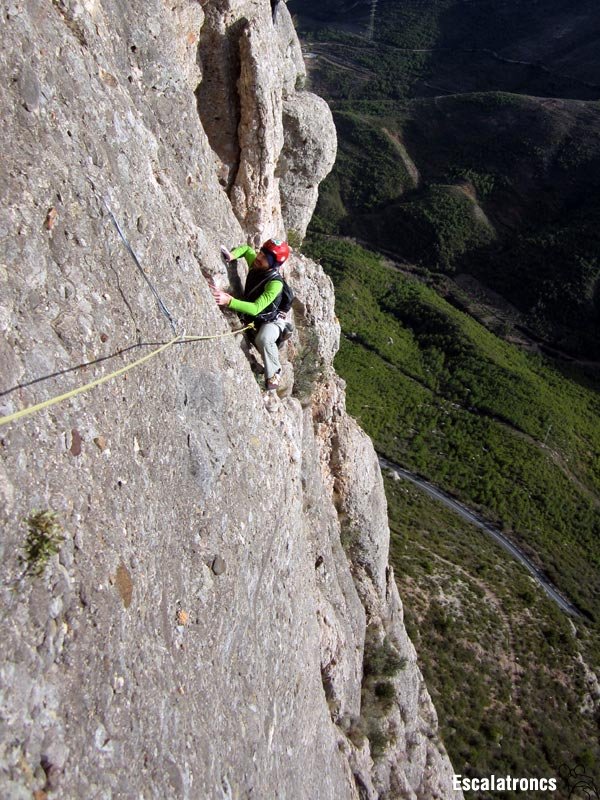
(279, 250)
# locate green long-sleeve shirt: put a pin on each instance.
(246, 252)
(271, 291)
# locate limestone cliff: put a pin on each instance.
(221, 609)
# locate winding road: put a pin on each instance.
(324, 48)
(496, 534)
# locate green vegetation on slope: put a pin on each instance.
(488, 174)
(485, 114)
(507, 192)
(434, 227)
(503, 664)
(386, 177)
(506, 433)
(561, 289)
(495, 426)
(424, 47)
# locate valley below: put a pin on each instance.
(460, 226)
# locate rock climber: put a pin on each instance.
(266, 300)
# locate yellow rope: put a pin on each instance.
(25, 412)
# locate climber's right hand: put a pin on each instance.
(222, 298)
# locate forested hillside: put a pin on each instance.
(479, 128)
(468, 169)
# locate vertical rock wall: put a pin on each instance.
(274, 142)
(202, 632)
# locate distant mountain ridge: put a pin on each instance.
(558, 34)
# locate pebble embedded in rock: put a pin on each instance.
(51, 217)
(219, 566)
(29, 87)
(101, 443)
(76, 440)
(182, 617)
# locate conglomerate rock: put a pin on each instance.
(202, 632)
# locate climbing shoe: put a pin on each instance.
(273, 382)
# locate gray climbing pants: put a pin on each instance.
(266, 343)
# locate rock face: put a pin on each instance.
(306, 158)
(274, 142)
(211, 623)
